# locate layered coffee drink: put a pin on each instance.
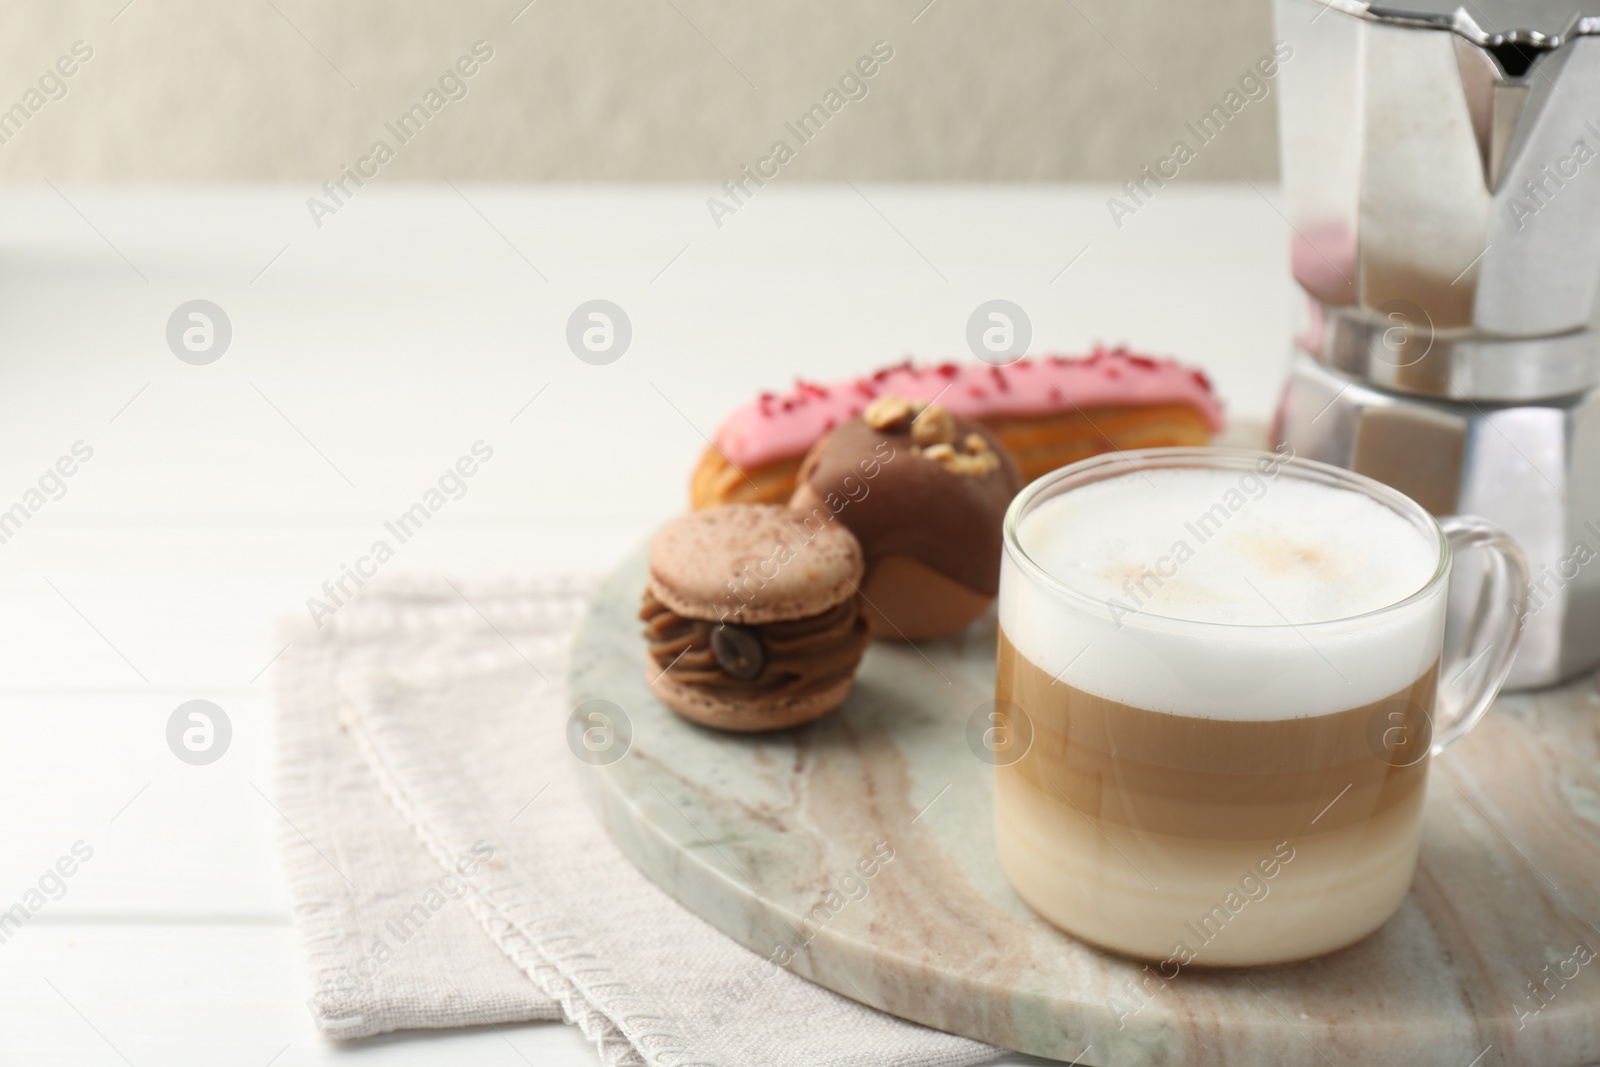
(1219, 684)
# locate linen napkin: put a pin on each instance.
(446, 871)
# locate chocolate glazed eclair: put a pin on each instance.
(929, 518)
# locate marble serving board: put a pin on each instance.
(783, 842)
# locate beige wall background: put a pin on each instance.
(253, 90)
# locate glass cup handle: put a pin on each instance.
(1469, 684)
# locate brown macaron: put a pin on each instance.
(752, 617)
(925, 492)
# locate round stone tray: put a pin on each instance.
(770, 838)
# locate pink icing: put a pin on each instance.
(780, 425)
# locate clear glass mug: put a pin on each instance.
(1205, 838)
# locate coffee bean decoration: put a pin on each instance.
(738, 650)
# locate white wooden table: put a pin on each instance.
(365, 357)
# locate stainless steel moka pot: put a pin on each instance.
(1442, 169)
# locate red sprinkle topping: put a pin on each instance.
(882, 375)
(760, 427)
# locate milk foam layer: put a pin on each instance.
(1230, 547)
(1163, 553)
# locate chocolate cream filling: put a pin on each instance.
(790, 658)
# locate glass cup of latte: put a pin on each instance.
(1221, 675)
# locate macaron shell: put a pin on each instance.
(747, 713)
(754, 563)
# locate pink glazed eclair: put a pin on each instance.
(1046, 412)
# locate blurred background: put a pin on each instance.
(394, 219)
(537, 156)
(607, 90)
